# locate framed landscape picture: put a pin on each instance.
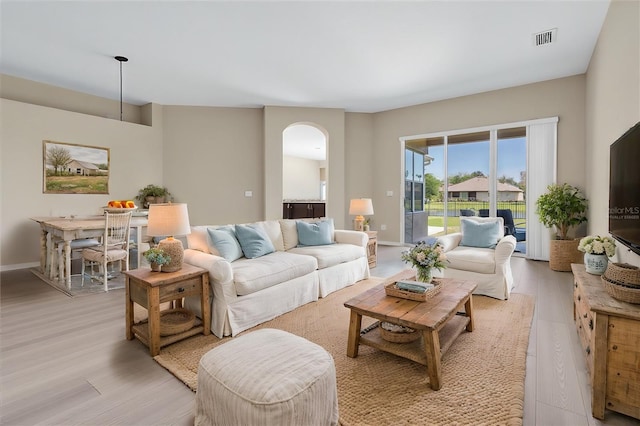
(74, 169)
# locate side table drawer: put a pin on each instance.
(191, 287)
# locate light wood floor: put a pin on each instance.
(65, 361)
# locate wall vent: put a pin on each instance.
(545, 37)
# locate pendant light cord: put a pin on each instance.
(121, 59)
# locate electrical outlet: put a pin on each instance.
(383, 227)
(248, 193)
(389, 193)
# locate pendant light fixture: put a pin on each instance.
(121, 59)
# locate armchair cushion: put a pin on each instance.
(480, 234)
(474, 259)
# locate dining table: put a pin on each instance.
(69, 228)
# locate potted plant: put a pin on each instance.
(562, 207)
(156, 258)
(597, 251)
(425, 257)
(152, 194)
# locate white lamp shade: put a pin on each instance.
(361, 207)
(168, 220)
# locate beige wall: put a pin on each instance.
(359, 169)
(32, 92)
(613, 106)
(135, 151)
(212, 156)
(301, 178)
(563, 97)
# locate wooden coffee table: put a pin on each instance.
(440, 319)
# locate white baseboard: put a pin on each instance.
(19, 266)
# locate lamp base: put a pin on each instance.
(174, 249)
(358, 223)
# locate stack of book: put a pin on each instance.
(414, 286)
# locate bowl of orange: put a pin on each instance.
(120, 206)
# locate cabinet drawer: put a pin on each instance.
(185, 288)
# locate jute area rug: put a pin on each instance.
(482, 373)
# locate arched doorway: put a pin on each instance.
(304, 170)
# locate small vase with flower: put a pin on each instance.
(597, 251)
(425, 257)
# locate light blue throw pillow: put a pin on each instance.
(224, 240)
(479, 234)
(314, 234)
(254, 241)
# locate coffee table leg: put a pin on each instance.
(468, 308)
(355, 323)
(432, 349)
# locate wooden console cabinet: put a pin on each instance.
(303, 210)
(609, 331)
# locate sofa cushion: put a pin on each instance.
(198, 239)
(314, 234)
(330, 255)
(273, 230)
(224, 240)
(251, 275)
(254, 241)
(290, 230)
(480, 234)
(472, 259)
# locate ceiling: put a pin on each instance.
(362, 56)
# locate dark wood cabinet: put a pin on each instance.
(303, 210)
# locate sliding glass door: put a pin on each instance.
(477, 173)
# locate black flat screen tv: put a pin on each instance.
(624, 189)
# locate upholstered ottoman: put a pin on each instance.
(267, 377)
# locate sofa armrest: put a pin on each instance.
(220, 272)
(357, 238)
(450, 241)
(505, 248)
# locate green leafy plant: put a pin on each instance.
(562, 207)
(157, 255)
(151, 190)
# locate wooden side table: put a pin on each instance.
(372, 248)
(149, 289)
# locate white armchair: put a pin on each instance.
(489, 266)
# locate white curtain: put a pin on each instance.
(542, 142)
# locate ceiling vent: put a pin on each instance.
(545, 37)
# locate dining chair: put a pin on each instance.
(114, 247)
(57, 268)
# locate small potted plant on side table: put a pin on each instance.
(156, 258)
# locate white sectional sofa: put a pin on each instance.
(251, 287)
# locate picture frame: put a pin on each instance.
(74, 169)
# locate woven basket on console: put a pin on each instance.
(623, 273)
(621, 292)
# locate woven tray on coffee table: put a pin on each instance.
(392, 290)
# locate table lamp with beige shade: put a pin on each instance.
(360, 207)
(170, 220)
